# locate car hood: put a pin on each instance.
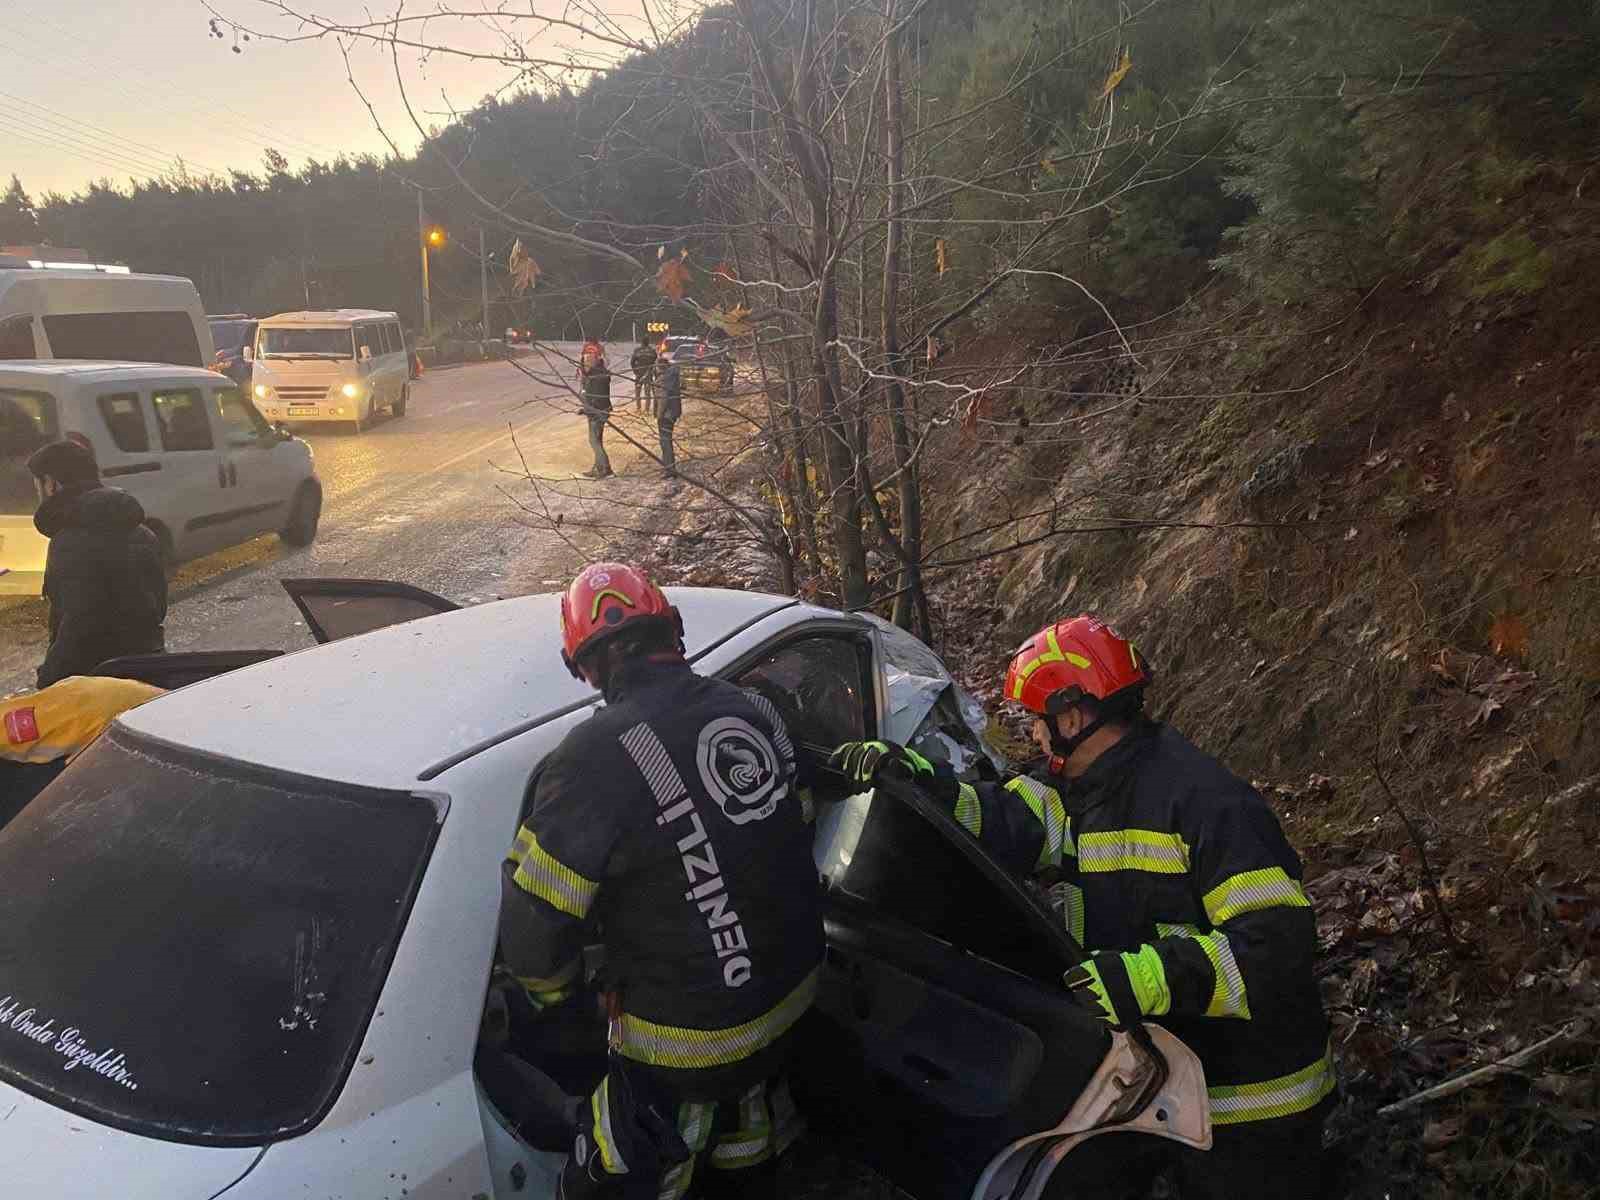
(47, 1153)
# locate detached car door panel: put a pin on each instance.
(341, 608)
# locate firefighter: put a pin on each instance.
(1176, 878)
(673, 817)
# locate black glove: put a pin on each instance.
(863, 762)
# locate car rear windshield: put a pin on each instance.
(191, 948)
(309, 343)
(27, 421)
(158, 337)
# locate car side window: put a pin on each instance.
(16, 336)
(242, 425)
(822, 685)
(367, 341)
(396, 337)
(125, 422)
(181, 417)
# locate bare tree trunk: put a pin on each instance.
(911, 598)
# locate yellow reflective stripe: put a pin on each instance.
(751, 1143)
(1249, 891)
(594, 613)
(969, 811)
(1045, 804)
(1053, 654)
(546, 991)
(1228, 997)
(541, 874)
(1233, 1104)
(674, 1046)
(694, 1126)
(1074, 905)
(1184, 930)
(1133, 850)
(604, 1139)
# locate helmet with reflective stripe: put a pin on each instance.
(1073, 659)
(607, 599)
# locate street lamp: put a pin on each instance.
(434, 236)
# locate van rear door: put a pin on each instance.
(28, 419)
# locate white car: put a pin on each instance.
(185, 442)
(248, 937)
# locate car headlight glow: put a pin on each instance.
(350, 391)
(262, 391)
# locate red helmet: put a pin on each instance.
(604, 599)
(1064, 662)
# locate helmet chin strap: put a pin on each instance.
(1063, 747)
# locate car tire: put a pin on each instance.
(398, 407)
(305, 514)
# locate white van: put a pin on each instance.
(101, 313)
(341, 366)
(186, 443)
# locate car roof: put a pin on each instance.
(329, 316)
(384, 707)
(90, 370)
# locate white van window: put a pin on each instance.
(27, 421)
(159, 337)
(367, 343)
(288, 342)
(181, 414)
(125, 421)
(16, 337)
(397, 337)
(242, 425)
(386, 339)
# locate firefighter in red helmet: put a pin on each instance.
(677, 778)
(1175, 877)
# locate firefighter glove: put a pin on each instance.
(863, 762)
(1121, 988)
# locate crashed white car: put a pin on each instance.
(247, 939)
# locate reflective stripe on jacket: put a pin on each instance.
(673, 816)
(1159, 844)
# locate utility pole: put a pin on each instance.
(422, 241)
(483, 282)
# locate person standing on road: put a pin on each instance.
(677, 776)
(643, 363)
(1176, 877)
(103, 575)
(595, 379)
(670, 408)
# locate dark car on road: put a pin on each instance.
(233, 334)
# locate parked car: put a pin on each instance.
(703, 367)
(299, 857)
(188, 444)
(234, 335)
(104, 313)
(342, 366)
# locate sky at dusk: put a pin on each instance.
(94, 89)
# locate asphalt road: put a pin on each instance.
(429, 499)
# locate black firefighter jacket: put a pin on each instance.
(104, 579)
(1158, 844)
(674, 818)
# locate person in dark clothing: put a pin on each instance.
(103, 575)
(643, 364)
(671, 408)
(677, 778)
(596, 377)
(1176, 877)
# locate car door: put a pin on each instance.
(941, 1033)
(259, 479)
(341, 608)
(195, 483)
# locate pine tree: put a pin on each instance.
(19, 221)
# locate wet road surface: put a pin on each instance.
(429, 499)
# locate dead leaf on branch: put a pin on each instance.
(525, 271)
(673, 279)
(724, 272)
(1509, 635)
(735, 322)
(941, 260)
(1118, 74)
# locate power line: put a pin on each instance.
(63, 135)
(49, 145)
(137, 147)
